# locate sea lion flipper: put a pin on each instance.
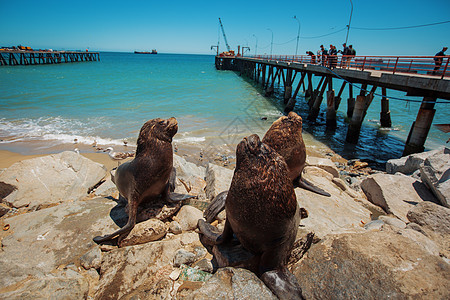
(215, 207)
(282, 283)
(304, 184)
(210, 233)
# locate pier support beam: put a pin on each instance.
(291, 103)
(350, 102)
(288, 86)
(385, 114)
(315, 109)
(420, 128)
(361, 105)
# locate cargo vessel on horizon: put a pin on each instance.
(146, 52)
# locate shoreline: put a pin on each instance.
(200, 153)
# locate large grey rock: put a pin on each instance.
(188, 217)
(372, 265)
(336, 214)
(91, 259)
(218, 179)
(408, 164)
(396, 194)
(434, 222)
(127, 270)
(45, 181)
(144, 232)
(323, 163)
(190, 178)
(435, 173)
(65, 284)
(40, 241)
(233, 283)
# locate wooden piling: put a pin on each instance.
(314, 111)
(420, 128)
(359, 112)
(385, 114)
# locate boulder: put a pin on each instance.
(396, 194)
(144, 232)
(371, 265)
(146, 267)
(408, 164)
(92, 258)
(190, 178)
(188, 217)
(336, 214)
(183, 257)
(434, 222)
(435, 173)
(218, 179)
(54, 236)
(233, 283)
(45, 181)
(323, 163)
(65, 284)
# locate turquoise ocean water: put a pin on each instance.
(44, 108)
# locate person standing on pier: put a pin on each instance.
(438, 58)
(313, 57)
(332, 57)
(345, 55)
(324, 53)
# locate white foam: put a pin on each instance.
(191, 139)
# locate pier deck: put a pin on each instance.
(416, 76)
(32, 57)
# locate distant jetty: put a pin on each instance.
(146, 52)
(27, 56)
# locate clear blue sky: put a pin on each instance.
(192, 26)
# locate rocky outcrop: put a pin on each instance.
(124, 271)
(323, 163)
(218, 179)
(231, 283)
(372, 265)
(434, 222)
(336, 214)
(409, 164)
(435, 173)
(396, 194)
(40, 241)
(45, 181)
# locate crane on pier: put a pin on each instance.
(229, 51)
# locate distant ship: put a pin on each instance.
(146, 52)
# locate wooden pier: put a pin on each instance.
(414, 75)
(32, 57)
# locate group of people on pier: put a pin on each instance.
(329, 58)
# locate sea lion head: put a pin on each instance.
(252, 152)
(290, 124)
(157, 130)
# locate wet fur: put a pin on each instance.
(146, 178)
(285, 137)
(262, 212)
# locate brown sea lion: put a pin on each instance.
(263, 214)
(285, 137)
(145, 179)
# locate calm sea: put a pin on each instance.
(45, 108)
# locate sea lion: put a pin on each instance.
(145, 179)
(263, 214)
(285, 137)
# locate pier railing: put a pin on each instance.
(423, 65)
